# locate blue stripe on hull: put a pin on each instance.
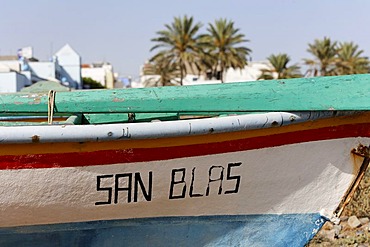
(249, 230)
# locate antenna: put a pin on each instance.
(51, 49)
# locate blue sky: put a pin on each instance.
(119, 31)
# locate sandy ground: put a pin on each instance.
(354, 227)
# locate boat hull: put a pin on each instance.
(263, 187)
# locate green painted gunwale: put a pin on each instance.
(339, 93)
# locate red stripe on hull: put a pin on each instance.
(105, 157)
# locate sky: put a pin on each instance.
(120, 31)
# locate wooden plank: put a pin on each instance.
(303, 94)
(72, 120)
(103, 118)
(124, 117)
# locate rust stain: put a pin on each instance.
(36, 101)
(118, 100)
(361, 150)
(356, 161)
(357, 155)
(35, 139)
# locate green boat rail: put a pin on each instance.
(333, 93)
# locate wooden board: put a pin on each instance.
(303, 94)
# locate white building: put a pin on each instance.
(250, 72)
(19, 71)
(100, 72)
(70, 66)
(12, 80)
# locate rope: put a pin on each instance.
(51, 100)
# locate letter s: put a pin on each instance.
(229, 177)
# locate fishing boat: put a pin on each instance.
(263, 163)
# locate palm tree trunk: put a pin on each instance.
(323, 70)
(181, 72)
(181, 76)
(222, 72)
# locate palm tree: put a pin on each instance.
(164, 70)
(350, 60)
(280, 69)
(325, 52)
(179, 41)
(221, 41)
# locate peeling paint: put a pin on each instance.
(35, 139)
(274, 124)
(36, 101)
(118, 99)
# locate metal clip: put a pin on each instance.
(131, 117)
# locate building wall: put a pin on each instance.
(45, 70)
(109, 78)
(97, 74)
(75, 73)
(22, 81)
(11, 65)
(11, 82)
(71, 63)
(102, 74)
(28, 76)
(251, 72)
(65, 67)
(68, 76)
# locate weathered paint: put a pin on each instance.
(54, 183)
(241, 230)
(66, 154)
(157, 129)
(239, 180)
(303, 94)
(276, 195)
(124, 117)
(329, 128)
(244, 184)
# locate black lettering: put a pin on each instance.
(99, 188)
(128, 188)
(146, 194)
(191, 194)
(229, 177)
(220, 178)
(173, 183)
